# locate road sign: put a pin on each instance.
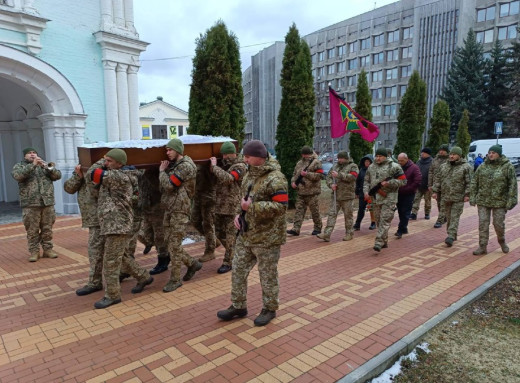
(498, 127)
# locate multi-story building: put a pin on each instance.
(389, 43)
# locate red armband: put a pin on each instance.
(401, 177)
(97, 176)
(235, 174)
(281, 197)
(319, 171)
(354, 174)
(176, 180)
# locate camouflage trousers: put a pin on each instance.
(174, 235)
(226, 233)
(499, 223)
(96, 248)
(146, 234)
(347, 206)
(203, 219)
(419, 195)
(152, 232)
(302, 202)
(442, 209)
(244, 260)
(38, 223)
(384, 214)
(453, 211)
(128, 263)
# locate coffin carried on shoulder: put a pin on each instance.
(149, 153)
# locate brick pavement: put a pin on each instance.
(341, 305)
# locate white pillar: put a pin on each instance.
(69, 147)
(78, 141)
(112, 117)
(133, 102)
(107, 17)
(59, 154)
(122, 101)
(129, 15)
(119, 16)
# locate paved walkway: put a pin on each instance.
(344, 309)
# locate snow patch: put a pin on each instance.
(145, 144)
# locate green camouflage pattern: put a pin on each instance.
(453, 212)
(174, 234)
(96, 249)
(35, 184)
(311, 182)
(114, 248)
(87, 199)
(435, 167)
(177, 199)
(38, 223)
(345, 180)
(484, 220)
(128, 263)
(419, 195)
(384, 214)
(453, 181)
(226, 233)
(312, 201)
(203, 220)
(136, 177)
(347, 206)
(379, 172)
(229, 188)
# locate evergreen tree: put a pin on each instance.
(497, 86)
(512, 106)
(357, 146)
(440, 122)
(412, 118)
(463, 137)
(216, 96)
(465, 87)
(296, 116)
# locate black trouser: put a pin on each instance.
(404, 208)
(361, 210)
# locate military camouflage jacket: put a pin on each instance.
(346, 180)
(35, 184)
(311, 182)
(434, 168)
(87, 199)
(266, 214)
(229, 181)
(136, 177)
(379, 172)
(494, 184)
(205, 184)
(150, 192)
(177, 187)
(453, 180)
(115, 211)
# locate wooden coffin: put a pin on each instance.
(143, 158)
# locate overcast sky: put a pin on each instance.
(171, 27)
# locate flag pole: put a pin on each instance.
(333, 178)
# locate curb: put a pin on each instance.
(380, 363)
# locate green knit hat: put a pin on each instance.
(27, 150)
(343, 155)
(306, 150)
(496, 148)
(228, 148)
(444, 147)
(382, 152)
(176, 145)
(117, 154)
(456, 150)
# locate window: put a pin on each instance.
(341, 82)
(331, 53)
(406, 52)
(378, 58)
(393, 36)
(313, 58)
(390, 110)
(391, 74)
(376, 111)
(379, 40)
(353, 47)
(365, 43)
(392, 55)
(377, 75)
(509, 9)
(507, 32)
(323, 86)
(485, 36)
(330, 68)
(341, 66)
(321, 71)
(486, 14)
(407, 33)
(377, 94)
(406, 71)
(352, 64)
(351, 97)
(321, 56)
(352, 80)
(402, 89)
(341, 50)
(391, 91)
(364, 61)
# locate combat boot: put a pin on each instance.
(147, 249)
(482, 250)
(325, 237)
(49, 254)
(503, 246)
(86, 290)
(207, 257)
(293, 232)
(449, 241)
(106, 302)
(372, 226)
(141, 285)
(162, 265)
(316, 232)
(196, 266)
(348, 237)
(231, 312)
(34, 256)
(265, 317)
(171, 286)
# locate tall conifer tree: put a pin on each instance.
(440, 123)
(357, 146)
(463, 137)
(512, 106)
(497, 86)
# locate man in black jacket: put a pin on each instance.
(423, 192)
(363, 166)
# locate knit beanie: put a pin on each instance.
(176, 145)
(27, 150)
(496, 148)
(444, 147)
(427, 151)
(343, 155)
(255, 148)
(307, 150)
(117, 154)
(228, 148)
(456, 150)
(382, 152)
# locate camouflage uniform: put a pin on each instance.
(203, 211)
(87, 200)
(345, 196)
(177, 184)
(266, 233)
(423, 191)
(37, 202)
(494, 189)
(384, 205)
(229, 180)
(433, 172)
(453, 182)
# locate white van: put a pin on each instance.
(510, 148)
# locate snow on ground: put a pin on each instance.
(144, 144)
(388, 375)
(187, 241)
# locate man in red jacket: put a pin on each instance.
(406, 193)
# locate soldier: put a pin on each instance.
(364, 163)
(306, 180)
(442, 157)
(382, 180)
(424, 164)
(115, 214)
(406, 193)
(342, 180)
(453, 183)
(203, 210)
(229, 180)
(87, 200)
(35, 180)
(146, 234)
(262, 233)
(494, 190)
(177, 181)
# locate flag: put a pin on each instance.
(344, 119)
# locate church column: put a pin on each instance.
(122, 102)
(78, 141)
(112, 116)
(119, 16)
(133, 102)
(129, 15)
(69, 147)
(107, 17)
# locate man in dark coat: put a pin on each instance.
(362, 205)
(424, 164)
(406, 193)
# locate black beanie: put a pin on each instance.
(255, 148)
(306, 150)
(427, 151)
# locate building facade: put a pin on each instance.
(159, 119)
(68, 75)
